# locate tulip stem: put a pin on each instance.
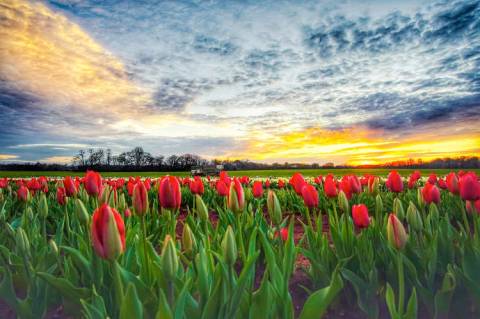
(145, 255)
(309, 221)
(44, 228)
(170, 293)
(401, 283)
(117, 282)
(465, 220)
(67, 222)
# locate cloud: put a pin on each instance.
(221, 77)
(6, 157)
(48, 57)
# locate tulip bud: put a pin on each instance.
(53, 246)
(105, 195)
(398, 208)
(10, 230)
(202, 210)
(189, 243)
(236, 197)
(343, 202)
(413, 217)
(169, 259)
(274, 208)
(378, 207)
(29, 213)
(122, 204)
(81, 212)
(420, 200)
(43, 206)
(374, 185)
(396, 234)
(22, 242)
(108, 232)
(229, 247)
(433, 211)
(140, 199)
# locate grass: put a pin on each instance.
(251, 173)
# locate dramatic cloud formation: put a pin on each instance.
(353, 81)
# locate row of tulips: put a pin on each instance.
(228, 247)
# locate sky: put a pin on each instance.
(356, 82)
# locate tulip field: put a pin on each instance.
(368, 246)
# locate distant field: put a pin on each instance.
(251, 173)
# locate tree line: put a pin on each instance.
(138, 159)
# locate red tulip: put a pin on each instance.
(475, 205)
(430, 193)
(34, 185)
(297, 181)
(310, 196)
(267, 183)
(416, 175)
(412, 181)
(127, 213)
(130, 186)
(469, 187)
(442, 184)
(257, 189)
(355, 185)
(169, 194)
(360, 216)
(22, 193)
(236, 196)
(222, 188)
(108, 232)
(345, 187)
(330, 186)
(394, 182)
(318, 180)
(283, 233)
(3, 183)
(244, 180)
(61, 196)
(148, 183)
(281, 183)
(452, 183)
(140, 198)
(93, 183)
(372, 184)
(196, 186)
(432, 179)
(224, 177)
(69, 185)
